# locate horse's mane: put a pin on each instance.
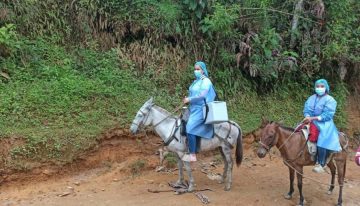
(290, 129)
(163, 110)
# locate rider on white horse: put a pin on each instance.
(201, 91)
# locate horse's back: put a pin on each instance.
(224, 129)
(344, 141)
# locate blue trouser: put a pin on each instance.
(192, 143)
(322, 153)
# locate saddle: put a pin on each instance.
(221, 132)
(184, 117)
(310, 145)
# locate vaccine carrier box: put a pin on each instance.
(217, 112)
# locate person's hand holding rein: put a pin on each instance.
(307, 120)
(186, 100)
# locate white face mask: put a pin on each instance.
(320, 91)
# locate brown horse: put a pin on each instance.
(295, 154)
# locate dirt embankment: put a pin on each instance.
(115, 146)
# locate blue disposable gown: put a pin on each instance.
(201, 89)
(324, 107)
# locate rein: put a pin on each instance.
(287, 139)
(268, 147)
(171, 114)
(301, 151)
(171, 137)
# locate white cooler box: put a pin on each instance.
(217, 112)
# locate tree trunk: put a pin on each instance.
(295, 21)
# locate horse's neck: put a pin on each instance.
(163, 122)
(284, 143)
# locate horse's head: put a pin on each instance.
(268, 137)
(142, 117)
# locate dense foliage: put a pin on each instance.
(71, 69)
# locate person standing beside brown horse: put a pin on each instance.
(293, 149)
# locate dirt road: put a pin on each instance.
(115, 181)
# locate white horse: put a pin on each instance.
(166, 126)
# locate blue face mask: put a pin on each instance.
(197, 74)
(320, 91)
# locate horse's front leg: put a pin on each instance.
(180, 164)
(299, 173)
(288, 196)
(333, 172)
(191, 178)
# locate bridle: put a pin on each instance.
(146, 116)
(266, 147)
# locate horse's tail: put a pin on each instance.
(239, 146)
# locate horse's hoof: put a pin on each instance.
(227, 188)
(179, 183)
(329, 192)
(287, 196)
(302, 203)
(190, 189)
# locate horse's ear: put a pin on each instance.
(150, 101)
(264, 121)
(278, 124)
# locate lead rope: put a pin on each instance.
(306, 176)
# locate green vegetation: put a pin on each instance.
(137, 166)
(70, 70)
(171, 159)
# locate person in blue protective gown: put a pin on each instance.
(320, 109)
(201, 91)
